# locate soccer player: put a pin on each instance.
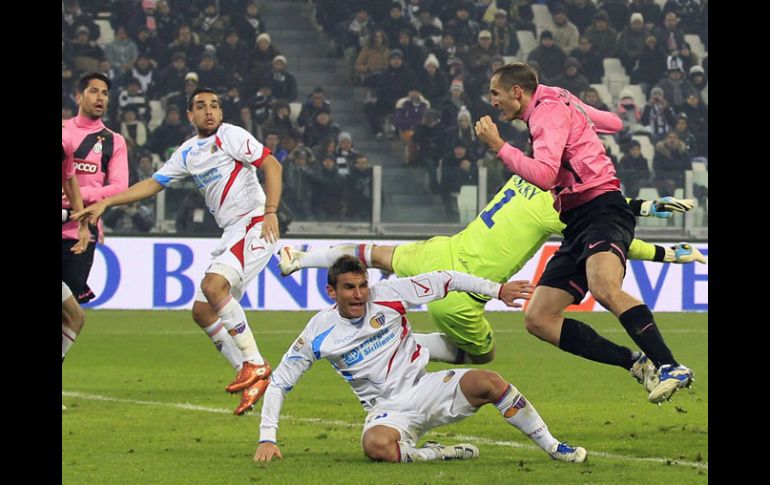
(101, 168)
(570, 160)
(368, 340)
(222, 160)
(495, 245)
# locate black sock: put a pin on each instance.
(580, 339)
(640, 325)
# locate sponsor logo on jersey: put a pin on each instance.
(377, 321)
(214, 148)
(207, 177)
(352, 357)
(344, 339)
(448, 376)
(298, 344)
(238, 329)
(85, 166)
(422, 287)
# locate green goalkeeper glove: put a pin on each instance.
(684, 253)
(665, 207)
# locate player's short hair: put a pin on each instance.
(86, 78)
(344, 264)
(517, 73)
(197, 92)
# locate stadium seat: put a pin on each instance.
(699, 166)
(541, 17)
(527, 42)
(604, 93)
(695, 45)
(609, 141)
(648, 149)
(615, 82)
(157, 115)
(106, 34)
(466, 203)
(510, 59)
(294, 109)
(613, 65)
(639, 97)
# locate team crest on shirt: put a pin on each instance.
(98, 146)
(377, 321)
(298, 344)
(448, 376)
(214, 148)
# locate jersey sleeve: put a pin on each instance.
(295, 362)
(242, 146)
(174, 169)
(427, 287)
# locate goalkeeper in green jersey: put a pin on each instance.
(495, 245)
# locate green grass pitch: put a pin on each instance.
(146, 404)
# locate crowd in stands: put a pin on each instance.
(425, 66)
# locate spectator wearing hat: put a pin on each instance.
(432, 81)
(171, 78)
(670, 162)
(670, 36)
(166, 23)
(373, 59)
(250, 24)
(211, 75)
(261, 58)
(698, 79)
(675, 85)
(428, 28)
(618, 13)
(451, 104)
(233, 56)
(395, 23)
(351, 35)
(465, 29)
(651, 64)
(689, 58)
(549, 56)
(414, 55)
(631, 41)
(144, 71)
(651, 12)
(581, 13)
(658, 116)
(85, 53)
(480, 55)
(682, 128)
(211, 24)
(633, 169)
(464, 133)
(590, 61)
(504, 38)
(629, 113)
(282, 83)
(122, 51)
(187, 43)
(409, 113)
(602, 36)
(345, 153)
(571, 79)
(393, 85)
(73, 17)
(565, 33)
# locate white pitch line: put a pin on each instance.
(477, 439)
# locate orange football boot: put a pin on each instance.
(248, 375)
(251, 395)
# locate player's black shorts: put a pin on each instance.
(604, 224)
(75, 269)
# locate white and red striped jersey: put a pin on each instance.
(223, 167)
(377, 353)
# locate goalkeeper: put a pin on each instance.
(495, 245)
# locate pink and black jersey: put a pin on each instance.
(223, 167)
(101, 163)
(568, 156)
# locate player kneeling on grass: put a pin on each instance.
(369, 342)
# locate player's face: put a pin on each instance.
(508, 101)
(93, 101)
(206, 114)
(351, 294)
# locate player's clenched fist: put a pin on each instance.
(487, 131)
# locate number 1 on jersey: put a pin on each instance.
(487, 215)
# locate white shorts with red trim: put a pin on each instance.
(436, 399)
(240, 257)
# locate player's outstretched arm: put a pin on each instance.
(662, 208)
(266, 451)
(142, 190)
(680, 253)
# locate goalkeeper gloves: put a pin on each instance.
(683, 253)
(665, 207)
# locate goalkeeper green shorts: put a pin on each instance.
(460, 316)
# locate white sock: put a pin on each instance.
(441, 348)
(408, 453)
(224, 343)
(524, 417)
(325, 257)
(234, 319)
(68, 337)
